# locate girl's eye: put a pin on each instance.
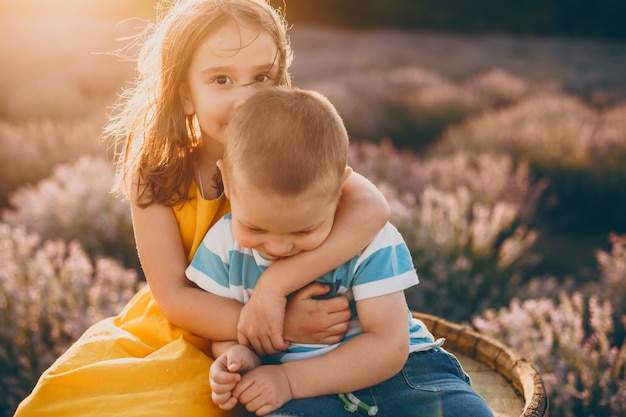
(222, 80)
(261, 78)
(303, 233)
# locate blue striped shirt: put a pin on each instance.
(225, 268)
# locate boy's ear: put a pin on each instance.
(185, 99)
(220, 166)
(347, 173)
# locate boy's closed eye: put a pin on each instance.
(260, 231)
(303, 233)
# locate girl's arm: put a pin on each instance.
(362, 212)
(164, 261)
(364, 361)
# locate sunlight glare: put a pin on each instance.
(101, 8)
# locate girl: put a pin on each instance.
(200, 62)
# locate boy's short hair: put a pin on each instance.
(286, 140)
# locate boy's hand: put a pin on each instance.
(226, 372)
(264, 389)
(261, 322)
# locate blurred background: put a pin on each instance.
(497, 131)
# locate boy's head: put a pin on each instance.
(285, 162)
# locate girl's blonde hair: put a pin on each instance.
(155, 142)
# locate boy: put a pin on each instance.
(283, 169)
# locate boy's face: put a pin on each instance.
(279, 227)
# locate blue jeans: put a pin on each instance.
(431, 384)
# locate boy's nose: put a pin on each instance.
(279, 247)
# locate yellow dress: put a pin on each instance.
(136, 363)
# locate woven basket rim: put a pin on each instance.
(502, 359)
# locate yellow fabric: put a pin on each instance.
(137, 363)
(195, 218)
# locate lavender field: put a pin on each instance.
(503, 160)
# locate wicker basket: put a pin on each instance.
(515, 369)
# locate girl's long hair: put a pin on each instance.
(154, 142)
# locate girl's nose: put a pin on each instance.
(242, 94)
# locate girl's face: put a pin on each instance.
(229, 66)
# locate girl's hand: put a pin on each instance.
(309, 320)
(261, 321)
(226, 372)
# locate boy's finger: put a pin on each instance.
(224, 401)
(229, 405)
(233, 363)
(224, 378)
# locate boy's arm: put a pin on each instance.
(368, 359)
(361, 213)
